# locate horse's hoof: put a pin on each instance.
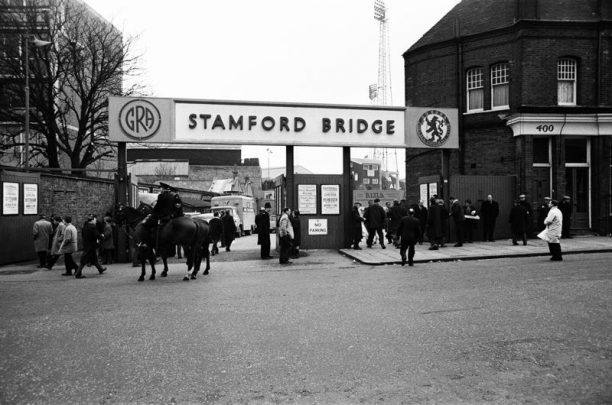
(152, 278)
(193, 277)
(185, 278)
(205, 273)
(164, 274)
(141, 279)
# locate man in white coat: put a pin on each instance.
(552, 233)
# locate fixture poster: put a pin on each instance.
(307, 198)
(10, 198)
(30, 199)
(330, 199)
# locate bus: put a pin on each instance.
(242, 205)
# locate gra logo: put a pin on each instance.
(139, 119)
(433, 128)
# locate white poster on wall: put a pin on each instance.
(423, 194)
(330, 199)
(30, 199)
(307, 198)
(10, 198)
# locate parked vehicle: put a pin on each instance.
(243, 210)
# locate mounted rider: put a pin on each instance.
(167, 207)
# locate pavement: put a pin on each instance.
(479, 250)
(246, 248)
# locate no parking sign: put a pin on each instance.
(317, 227)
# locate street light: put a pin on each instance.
(269, 152)
(37, 43)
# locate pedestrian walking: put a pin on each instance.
(58, 237)
(108, 243)
(434, 224)
(262, 221)
(91, 239)
(229, 230)
(456, 211)
(285, 234)
(42, 232)
(69, 245)
(518, 223)
(552, 233)
(489, 210)
(566, 209)
(375, 220)
(215, 232)
(408, 231)
(297, 235)
(395, 215)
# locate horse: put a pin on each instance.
(191, 234)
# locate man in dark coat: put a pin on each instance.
(215, 231)
(42, 232)
(420, 212)
(376, 218)
(395, 215)
(459, 218)
(518, 223)
(566, 209)
(489, 210)
(229, 229)
(262, 221)
(434, 225)
(408, 231)
(91, 238)
(294, 252)
(529, 214)
(356, 229)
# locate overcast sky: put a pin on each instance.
(308, 51)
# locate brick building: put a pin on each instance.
(532, 80)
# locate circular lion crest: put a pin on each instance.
(433, 128)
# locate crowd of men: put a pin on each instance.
(389, 222)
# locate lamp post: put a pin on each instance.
(269, 152)
(37, 43)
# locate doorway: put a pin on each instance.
(577, 187)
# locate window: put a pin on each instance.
(541, 152)
(366, 181)
(576, 150)
(500, 86)
(374, 181)
(566, 81)
(475, 90)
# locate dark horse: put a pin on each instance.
(154, 237)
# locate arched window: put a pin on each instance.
(475, 90)
(500, 86)
(567, 71)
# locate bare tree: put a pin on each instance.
(70, 81)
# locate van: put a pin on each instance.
(243, 210)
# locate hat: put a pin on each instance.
(567, 197)
(91, 216)
(267, 205)
(165, 186)
(377, 200)
(547, 198)
(522, 196)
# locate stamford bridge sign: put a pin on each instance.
(163, 120)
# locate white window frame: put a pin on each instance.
(500, 76)
(366, 180)
(549, 166)
(474, 80)
(567, 71)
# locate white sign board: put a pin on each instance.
(307, 198)
(330, 199)
(423, 194)
(10, 198)
(317, 226)
(30, 199)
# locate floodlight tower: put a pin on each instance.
(384, 95)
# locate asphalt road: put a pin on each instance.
(323, 330)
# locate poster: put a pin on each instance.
(307, 198)
(423, 195)
(433, 189)
(330, 199)
(30, 199)
(10, 198)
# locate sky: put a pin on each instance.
(294, 51)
